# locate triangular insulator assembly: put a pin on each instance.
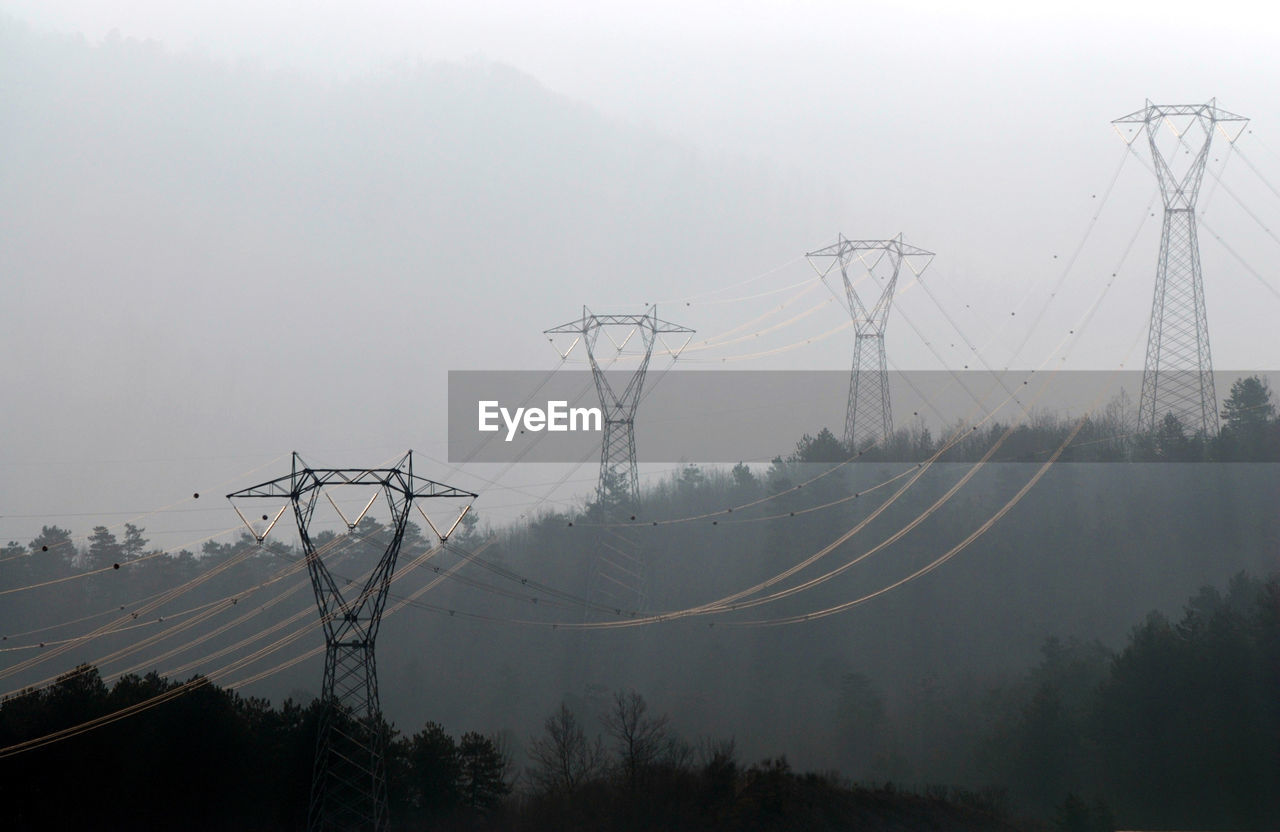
(1231, 130)
(675, 353)
(443, 535)
(260, 528)
(917, 262)
(564, 343)
(1128, 131)
(619, 345)
(355, 511)
(1180, 124)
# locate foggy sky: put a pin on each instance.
(277, 226)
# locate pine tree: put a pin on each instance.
(104, 549)
(483, 783)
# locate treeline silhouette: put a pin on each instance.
(1178, 729)
(1249, 432)
(212, 759)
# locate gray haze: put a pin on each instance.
(224, 228)
(241, 229)
(179, 205)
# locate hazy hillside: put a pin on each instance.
(1085, 555)
(163, 218)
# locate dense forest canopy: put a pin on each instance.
(1177, 728)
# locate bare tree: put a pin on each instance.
(563, 757)
(640, 740)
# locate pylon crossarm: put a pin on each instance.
(862, 254)
(846, 248)
(869, 254)
(650, 322)
(429, 489)
(394, 479)
(1154, 112)
(279, 487)
(314, 478)
(811, 258)
(1210, 115)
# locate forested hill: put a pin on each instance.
(1177, 729)
(1009, 669)
(1249, 432)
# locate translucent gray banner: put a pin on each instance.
(732, 416)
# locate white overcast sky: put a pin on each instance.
(752, 74)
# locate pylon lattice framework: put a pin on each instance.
(349, 778)
(619, 476)
(619, 574)
(869, 415)
(1177, 377)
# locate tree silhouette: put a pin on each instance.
(562, 756)
(435, 771)
(482, 782)
(1250, 431)
(824, 447)
(639, 739)
(134, 544)
(104, 549)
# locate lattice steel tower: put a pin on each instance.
(618, 578)
(869, 416)
(1178, 375)
(349, 778)
(619, 478)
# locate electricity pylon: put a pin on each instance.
(349, 777)
(618, 578)
(619, 482)
(869, 416)
(1178, 375)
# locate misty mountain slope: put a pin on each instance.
(1087, 554)
(406, 176)
(166, 214)
(1089, 551)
